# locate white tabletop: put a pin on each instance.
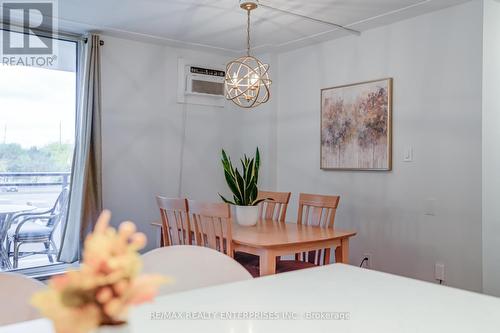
(11, 209)
(369, 301)
(35, 326)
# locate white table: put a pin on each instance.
(375, 302)
(35, 326)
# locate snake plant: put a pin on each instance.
(243, 185)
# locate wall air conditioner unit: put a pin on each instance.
(204, 81)
(200, 84)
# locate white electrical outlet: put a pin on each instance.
(368, 263)
(439, 272)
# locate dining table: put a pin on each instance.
(330, 298)
(269, 240)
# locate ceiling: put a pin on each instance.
(219, 25)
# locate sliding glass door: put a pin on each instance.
(37, 140)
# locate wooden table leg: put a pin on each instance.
(342, 252)
(267, 262)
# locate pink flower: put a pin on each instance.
(60, 282)
(127, 229)
(104, 295)
(106, 285)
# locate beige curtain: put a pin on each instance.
(86, 182)
(92, 203)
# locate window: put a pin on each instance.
(37, 139)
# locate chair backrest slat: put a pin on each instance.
(212, 225)
(275, 205)
(176, 226)
(317, 210)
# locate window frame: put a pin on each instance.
(43, 273)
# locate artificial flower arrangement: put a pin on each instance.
(106, 285)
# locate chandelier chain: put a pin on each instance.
(248, 32)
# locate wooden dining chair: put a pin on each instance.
(273, 208)
(212, 225)
(176, 226)
(274, 205)
(314, 210)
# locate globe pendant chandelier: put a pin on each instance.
(247, 79)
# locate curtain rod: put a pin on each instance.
(42, 30)
(47, 33)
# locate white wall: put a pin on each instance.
(491, 148)
(436, 63)
(143, 126)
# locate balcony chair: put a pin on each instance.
(36, 227)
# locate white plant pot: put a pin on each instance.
(125, 328)
(246, 215)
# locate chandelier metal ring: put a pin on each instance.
(247, 81)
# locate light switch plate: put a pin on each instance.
(408, 154)
(430, 207)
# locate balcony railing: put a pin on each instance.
(15, 179)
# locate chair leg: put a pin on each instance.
(16, 253)
(55, 249)
(7, 247)
(47, 248)
(4, 260)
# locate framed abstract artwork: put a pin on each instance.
(356, 126)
